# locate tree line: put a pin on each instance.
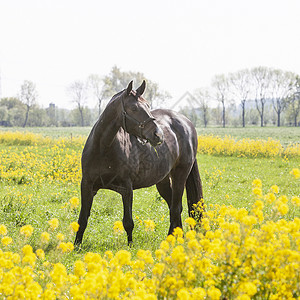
(257, 96)
(268, 92)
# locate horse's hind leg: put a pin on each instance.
(87, 196)
(165, 190)
(179, 176)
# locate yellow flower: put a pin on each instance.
(54, 223)
(270, 198)
(3, 229)
(123, 257)
(191, 221)
(149, 225)
(257, 191)
(40, 253)
(178, 232)
(79, 268)
(296, 173)
(256, 183)
(74, 226)
(74, 202)
(183, 294)
(27, 230)
(6, 240)
(60, 236)
(27, 250)
(65, 247)
(296, 200)
(282, 208)
(145, 255)
(274, 189)
(214, 293)
(158, 269)
(118, 227)
(45, 237)
(198, 293)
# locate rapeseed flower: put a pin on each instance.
(74, 226)
(54, 223)
(274, 189)
(296, 173)
(45, 237)
(6, 240)
(66, 247)
(74, 202)
(27, 230)
(118, 227)
(40, 253)
(3, 229)
(296, 200)
(149, 225)
(60, 236)
(191, 222)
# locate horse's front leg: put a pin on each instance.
(127, 198)
(87, 196)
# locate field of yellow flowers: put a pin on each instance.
(247, 247)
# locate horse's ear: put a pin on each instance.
(141, 89)
(129, 88)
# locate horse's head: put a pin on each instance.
(137, 118)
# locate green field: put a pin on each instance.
(285, 135)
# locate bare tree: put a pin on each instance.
(95, 82)
(261, 81)
(28, 96)
(241, 87)
(221, 86)
(294, 100)
(281, 85)
(203, 97)
(78, 93)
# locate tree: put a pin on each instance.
(294, 101)
(202, 96)
(95, 83)
(281, 85)
(28, 96)
(78, 93)
(261, 81)
(241, 87)
(220, 84)
(117, 80)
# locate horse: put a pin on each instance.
(131, 147)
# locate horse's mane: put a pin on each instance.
(116, 96)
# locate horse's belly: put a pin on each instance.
(149, 175)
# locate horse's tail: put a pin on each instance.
(194, 193)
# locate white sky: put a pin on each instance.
(180, 45)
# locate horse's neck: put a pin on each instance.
(109, 124)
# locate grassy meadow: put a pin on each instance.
(40, 178)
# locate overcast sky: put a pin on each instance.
(180, 45)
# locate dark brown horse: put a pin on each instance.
(131, 147)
